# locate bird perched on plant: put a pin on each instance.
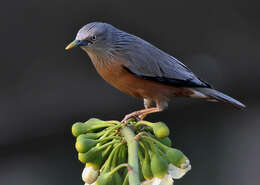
(142, 70)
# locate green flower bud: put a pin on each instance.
(117, 179)
(166, 141)
(160, 129)
(78, 128)
(90, 135)
(176, 157)
(91, 125)
(84, 144)
(93, 156)
(95, 124)
(82, 157)
(146, 165)
(105, 179)
(159, 166)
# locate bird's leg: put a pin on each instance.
(148, 103)
(152, 110)
(141, 114)
(161, 104)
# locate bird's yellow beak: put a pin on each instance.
(72, 45)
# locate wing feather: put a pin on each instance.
(147, 61)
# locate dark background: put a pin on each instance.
(45, 89)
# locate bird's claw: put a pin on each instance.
(134, 115)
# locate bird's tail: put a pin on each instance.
(213, 94)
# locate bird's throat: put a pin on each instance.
(101, 60)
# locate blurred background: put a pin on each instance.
(45, 89)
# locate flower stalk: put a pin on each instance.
(132, 144)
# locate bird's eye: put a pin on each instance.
(94, 37)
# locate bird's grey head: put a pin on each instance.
(93, 36)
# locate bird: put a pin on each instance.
(140, 69)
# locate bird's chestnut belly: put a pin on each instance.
(118, 77)
(114, 73)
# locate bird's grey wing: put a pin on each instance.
(148, 62)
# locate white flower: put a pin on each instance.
(166, 180)
(89, 174)
(177, 173)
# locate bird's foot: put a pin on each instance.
(136, 115)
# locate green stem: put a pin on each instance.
(132, 144)
(107, 144)
(110, 130)
(106, 165)
(125, 180)
(140, 155)
(146, 152)
(114, 122)
(118, 167)
(99, 134)
(115, 158)
(147, 123)
(149, 139)
(108, 138)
